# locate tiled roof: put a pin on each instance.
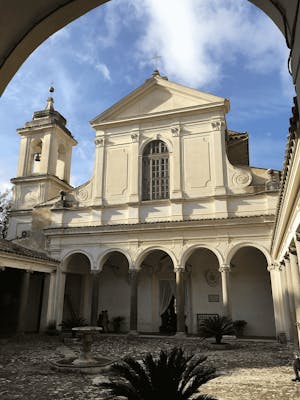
(7, 246)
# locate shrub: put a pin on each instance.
(239, 327)
(172, 375)
(51, 329)
(216, 327)
(117, 323)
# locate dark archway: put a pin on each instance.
(156, 294)
(11, 281)
(77, 296)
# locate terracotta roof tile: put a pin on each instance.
(7, 246)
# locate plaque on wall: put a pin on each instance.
(212, 277)
(213, 298)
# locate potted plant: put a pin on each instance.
(117, 323)
(239, 327)
(216, 327)
(51, 329)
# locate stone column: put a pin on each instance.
(290, 297)
(225, 270)
(23, 301)
(133, 276)
(48, 303)
(297, 244)
(60, 297)
(277, 315)
(180, 300)
(284, 296)
(296, 288)
(95, 297)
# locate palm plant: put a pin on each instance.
(216, 327)
(172, 375)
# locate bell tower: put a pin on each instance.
(44, 160)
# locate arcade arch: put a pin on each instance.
(156, 293)
(114, 288)
(250, 291)
(77, 294)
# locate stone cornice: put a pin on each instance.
(157, 115)
(165, 225)
(291, 146)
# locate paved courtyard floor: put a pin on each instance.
(249, 370)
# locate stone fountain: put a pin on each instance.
(86, 362)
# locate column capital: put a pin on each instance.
(95, 272)
(292, 250)
(133, 271)
(225, 268)
(272, 267)
(179, 270)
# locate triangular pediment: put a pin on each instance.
(158, 95)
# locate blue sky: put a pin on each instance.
(225, 47)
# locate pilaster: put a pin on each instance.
(99, 170)
(176, 189)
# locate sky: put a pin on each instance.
(225, 47)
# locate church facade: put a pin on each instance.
(174, 222)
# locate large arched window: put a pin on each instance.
(155, 184)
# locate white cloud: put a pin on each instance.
(196, 38)
(104, 70)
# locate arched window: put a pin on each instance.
(155, 184)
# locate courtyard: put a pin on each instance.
(249, 370)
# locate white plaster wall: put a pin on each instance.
(114, 293)
(250, 292)
(72, 295)
(203, 260)
(146, 302)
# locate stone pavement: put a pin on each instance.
(250, 370)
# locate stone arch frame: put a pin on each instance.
(161, 137)
(189, 251)
(264, 278)
(58, 17)
(60, 170)
(144, 253)
(146, 175)
(73, 252)
(102, 258)
(36, 147)
(142, 148)
(230, 254)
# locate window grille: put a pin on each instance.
(155, 171)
